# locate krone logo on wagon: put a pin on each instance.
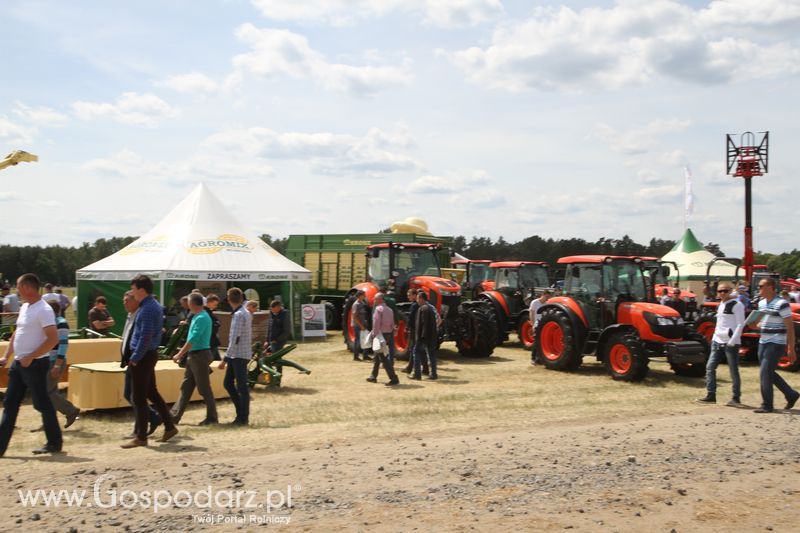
(228, 242)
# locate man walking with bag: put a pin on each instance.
(197, 353)
(383, 332)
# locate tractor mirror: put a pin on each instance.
(375, 252)
(666, 270)
(575, 272)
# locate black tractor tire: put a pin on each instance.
(333, 319)
(498, 317)
(347, 331)
(693, 370)
(624, 357)
(556, 346)
(478, 330)
(402, 338)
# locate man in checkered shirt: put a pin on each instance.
(238, 354)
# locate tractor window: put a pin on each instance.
(379, 267)
(533, 276)
(624, 279)
(507, 278)
(416, 261)
(478, 272)
(583, 280)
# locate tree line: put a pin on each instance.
(57, 264)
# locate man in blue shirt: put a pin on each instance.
(58, 363)
(144, 356)
(777, 340)
(197, 352)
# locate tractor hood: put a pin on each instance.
(653, 321)
(435, 283)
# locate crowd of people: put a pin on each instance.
(38, 350)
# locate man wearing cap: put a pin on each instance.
(725, 344)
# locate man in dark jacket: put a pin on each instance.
(280, 327)
(425, 337)
(410, 329)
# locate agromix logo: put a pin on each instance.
(229, 242)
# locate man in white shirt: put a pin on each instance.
(725, 344)
(534, 315)
(30, 347)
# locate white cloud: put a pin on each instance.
(432, 185)
(39, 116)
(14, 133)
(130, 108)
(192, 83)
(441, 13)
(7, 196)
(209, 166)
(373, 155)
(282, 52)
(631, 43)
(641, 140)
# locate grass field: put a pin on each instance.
(502, 391)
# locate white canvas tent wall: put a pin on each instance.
(692, 260)
(198, 240)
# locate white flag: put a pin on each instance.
(689, 203)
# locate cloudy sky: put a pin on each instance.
(484, 117)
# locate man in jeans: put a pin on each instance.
(132, 307)
(777, 340)
(197, 352)
(359, 318)
(30, 347)
(383, 325)
(426, 336)
(145, 338)
(725, 344)
(238, 354)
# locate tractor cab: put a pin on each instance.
(478, 274)
(516, 283)
(395, 267)
(599, 286)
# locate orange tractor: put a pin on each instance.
(393, 268)
(478, 275)
(707, 318)
(516, 283)
(605, 310)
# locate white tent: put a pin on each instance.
(692, 260)
(198, 241)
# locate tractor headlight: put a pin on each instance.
(664, 321)
(657, 320)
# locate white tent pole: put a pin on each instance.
(163, 300)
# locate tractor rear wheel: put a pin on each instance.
(556, 346)
(332, 318)
(624, 357)
(705, 325)
(478, 331)
(525, 331)
(348, 331)
(402, 345)
(694, 370)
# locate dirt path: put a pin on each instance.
(717, 469)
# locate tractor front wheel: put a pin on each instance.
(477, 331)
(624, 357)
(332, 318)
(525, 331)
(402, 345)
(555, 344)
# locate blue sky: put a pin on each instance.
(484, 117)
